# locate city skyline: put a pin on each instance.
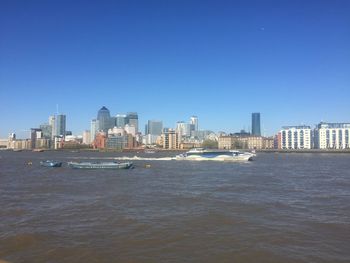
(220, 61)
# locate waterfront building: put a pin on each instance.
(4, 143)
(154, 127)
(170, 139)
(116, 131)
(256, 124)
(332, 136)
(86, 137)
(94, 128)
(43, 143)
(100, 140)
(133, 119)
(296, 137)
(231, 142)
(25, 144)
(120, 120)
(268, 143)
(104, 119)
(130, 129)
(150, 139)
(35, 133)
(117, 142)
(47, 130)
(255, 142)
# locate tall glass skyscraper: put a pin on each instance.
(94, 129)
(154, 127)
(194, 123)
(256, 124)
(104, 119)
(133, 119)
(60, 125)
(120, 120)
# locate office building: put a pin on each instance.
(104, 119)
(332, 136)
(194, 123)
(117, 142)
(133, 119)
(52, 123)
(120, 120)
(256, 124)
(154, 127)
(296, 137)
(60, 125)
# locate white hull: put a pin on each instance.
(243, 157)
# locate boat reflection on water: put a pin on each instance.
(200, 154)
(50, 163)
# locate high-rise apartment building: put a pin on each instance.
(332, 136)
(296, 137)
(256, 124)
(171, 139)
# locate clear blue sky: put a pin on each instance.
(168, 60)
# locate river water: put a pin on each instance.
(278, 208)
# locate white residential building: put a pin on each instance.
(332, 136)
(296, 137)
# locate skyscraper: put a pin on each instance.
(120, 120)
(52, 121)
(60, 125)
(133, 119)
(94, 128)
(256, 124)
(194, 123)
(104, 119)
(154, 127)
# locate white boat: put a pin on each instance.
(200, 154)
(100, 165)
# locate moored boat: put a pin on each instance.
(200, 154)
(50, 163)
(100, 165)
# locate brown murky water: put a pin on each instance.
(278, 208)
